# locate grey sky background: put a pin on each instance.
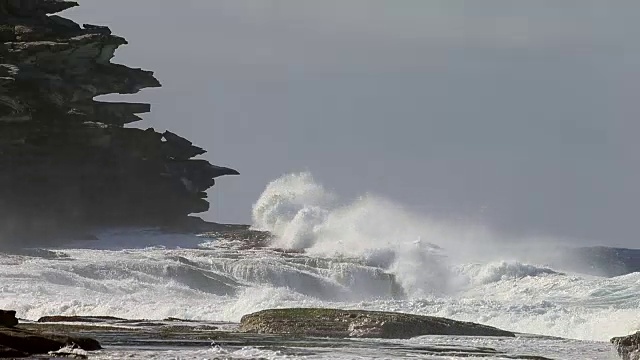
(522, 114)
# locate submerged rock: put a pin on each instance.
(359, 324)
(8, 318)
(67, 162)
(628, 347)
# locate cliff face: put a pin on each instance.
(67, 163)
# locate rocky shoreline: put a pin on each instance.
(298, 326)
(68, 164)
(628, 347)
(16, 342)
(300, 330)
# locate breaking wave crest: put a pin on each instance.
(305, 216)
(503, 270)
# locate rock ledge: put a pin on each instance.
(359, 324)
(16, 342)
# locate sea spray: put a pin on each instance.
(303, 215)
(349, 248)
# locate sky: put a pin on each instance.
(521, 115)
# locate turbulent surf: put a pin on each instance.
(368, 253)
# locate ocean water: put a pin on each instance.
(367, 253)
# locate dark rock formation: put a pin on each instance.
(628, 347)
(83, 319)
(23, 341)
(67, 163)
(16, 342)
(8, 318)
(359, 323)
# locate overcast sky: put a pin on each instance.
(521, 114)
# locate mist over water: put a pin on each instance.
(420, 251)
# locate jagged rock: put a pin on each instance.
(179, 148)
(359, 323)
(628, 347)
(67, 163)
(34, 7)
(8, 318)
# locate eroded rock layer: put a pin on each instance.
(67, 163)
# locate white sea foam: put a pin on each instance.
(213, 352)
(303, 215)
(502, 270)
(350, 250)
(187, 283)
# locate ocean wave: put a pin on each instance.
(502, 271)
(364, 254)
(303, 215)
(160, 283)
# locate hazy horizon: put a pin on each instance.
(518, 116)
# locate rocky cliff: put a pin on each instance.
(67, 161)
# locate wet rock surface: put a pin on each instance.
(359, 324)
(84, 319)
(125, 339)
(628, 347)
(8, 318)
(249, 238)
(41, 343)
(67, 163)
(18, 342)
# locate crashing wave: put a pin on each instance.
(503, 270)
(303, 215)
